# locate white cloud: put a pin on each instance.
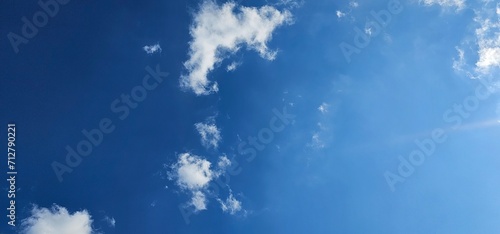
(232, 66)
(151, 49)
(57, 220)
(457, 4)
(193, 173)
(210, 134)
(223, 163)
(230, 205)
(219, 31)
(199, 201)
(340, 14)
(323, 108)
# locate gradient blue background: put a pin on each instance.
(65, 78)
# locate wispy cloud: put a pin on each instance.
(347, 11)
(110, 220)
(233, 66)
(457, 4)
(316, 141)
(151, 49)
(290, 3)
(222, 30)
(210, 134)
(231, 205)
(323, 108)
(354, 4)
(57, 220)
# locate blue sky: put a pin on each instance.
(252, 116)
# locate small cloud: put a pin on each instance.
(57, 220)
(340, 14)
(460, 62)
(387, 38)
(290, 4)
(151, 49)
(193, 173)
(111, 221)
(199, 201)
(230, 205)
(323, 108)
(223, 163)
(321, 126)
(353, 4)
(368, 31)
(316, 142)
(232, 66)
(210, 134)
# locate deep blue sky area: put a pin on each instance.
(399, 135)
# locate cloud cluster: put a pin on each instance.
(151, 49)
(193, 174)
(221, 30)
(210, 134)
(57, 220)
